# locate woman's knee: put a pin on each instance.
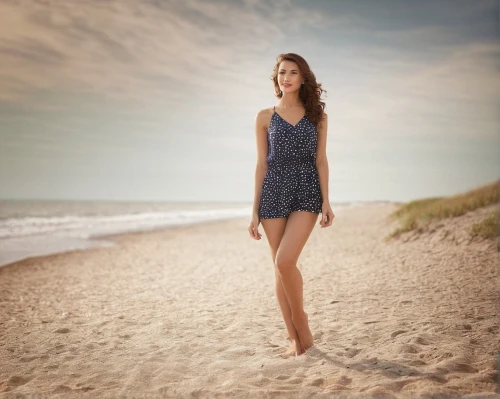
(284, 263)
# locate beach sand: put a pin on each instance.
(191, 312)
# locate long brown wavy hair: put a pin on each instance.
(310, 92)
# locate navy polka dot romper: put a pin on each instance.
(291, 182)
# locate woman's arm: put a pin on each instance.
(262, 150)
(321, 159)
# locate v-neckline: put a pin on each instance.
(284, 120)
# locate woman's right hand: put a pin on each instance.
(253, 228)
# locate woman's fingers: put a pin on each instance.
(326, 219)
(254, 232)
(331, 216)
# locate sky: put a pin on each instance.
(156, 100)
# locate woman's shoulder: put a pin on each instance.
(265, 112)
(264, 115)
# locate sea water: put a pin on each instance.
(40, 227)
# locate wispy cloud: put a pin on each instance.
(132, 49)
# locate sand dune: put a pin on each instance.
(191, 312)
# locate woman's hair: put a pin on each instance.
(310, 91)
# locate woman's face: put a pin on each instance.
(289, 76)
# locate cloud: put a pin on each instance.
(209, 56)
(132, 50)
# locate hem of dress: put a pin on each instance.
(285, 216)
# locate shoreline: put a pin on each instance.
(60, 243)
(66, 245)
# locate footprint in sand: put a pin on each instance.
(344, 380)
(457, 365)
(421, 340)
(239, 351)
(407, 348)
(261, 380)
(492, 329)
(62, 389)
(27, 359)
(351, 352)
(417, 363)
(85, 389)
(437, 378)
(318, 382)
(445, 355)
(17, 381)
(398, 332)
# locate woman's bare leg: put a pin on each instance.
(274, 229)
(298, 229)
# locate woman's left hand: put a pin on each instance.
(327, 215)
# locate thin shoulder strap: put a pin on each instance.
(274, 108)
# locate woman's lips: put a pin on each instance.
(286, 84)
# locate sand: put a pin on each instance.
(191, 312)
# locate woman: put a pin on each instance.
(291, 183)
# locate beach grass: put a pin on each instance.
(488, 227)
(417, 215)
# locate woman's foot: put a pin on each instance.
(294, 349)
(295, 345)
(306, 339)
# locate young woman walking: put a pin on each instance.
(291, 183)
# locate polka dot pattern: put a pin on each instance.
(291, 182)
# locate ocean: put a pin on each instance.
(31, 228)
